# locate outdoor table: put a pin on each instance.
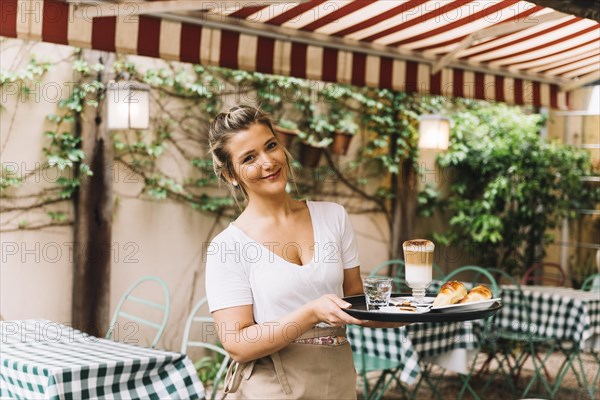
(568, 316)
(44, 359)
(557, 313)
(451, 345)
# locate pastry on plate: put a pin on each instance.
(406, 306)
(478, 293)
(450, 293)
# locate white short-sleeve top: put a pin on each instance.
(241, 271)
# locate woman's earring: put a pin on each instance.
(235, 183)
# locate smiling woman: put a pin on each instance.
(235, 156)
(258, 160)
(275, 276)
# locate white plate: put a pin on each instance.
(396, 310)
(476, 305)
(399, 300)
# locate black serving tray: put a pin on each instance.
(359, 310)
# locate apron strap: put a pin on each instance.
(279, 371)
(234, 375)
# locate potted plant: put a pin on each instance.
(314, 143)
(345, 129)
(286, 131)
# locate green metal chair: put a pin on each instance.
(510, 346)
(186, 343)
(477, 273)
(129, 297)
(438, 272)
(591, 283)
(392, 269)
(365, 363)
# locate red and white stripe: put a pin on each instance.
(523, 67)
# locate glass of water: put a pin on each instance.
(377, 292)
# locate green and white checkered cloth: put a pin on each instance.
(41, 359)
(556, 313)
(431, 339)
(388, 343)
(411, 343)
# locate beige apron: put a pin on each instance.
(298, 371)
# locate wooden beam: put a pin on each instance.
(93, 9)
(581, 8)
(582, 81)
(501, 29)
(93, 203)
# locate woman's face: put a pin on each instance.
(258, 160)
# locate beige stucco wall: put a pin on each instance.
(35, 272)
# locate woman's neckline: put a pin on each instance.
(314, 230)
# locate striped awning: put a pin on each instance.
(504, 50)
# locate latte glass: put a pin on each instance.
(418, 262)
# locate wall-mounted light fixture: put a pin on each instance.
(434, 132)
(128, 105)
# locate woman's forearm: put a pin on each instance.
(260, 340)
(252, 341)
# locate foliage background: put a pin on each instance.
(509, 187)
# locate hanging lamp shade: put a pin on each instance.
(128, 105)
(434, 132)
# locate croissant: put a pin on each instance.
(478, 293)
(450, 293)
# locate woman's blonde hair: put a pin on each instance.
(222, 128)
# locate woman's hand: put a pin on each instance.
(328, 309)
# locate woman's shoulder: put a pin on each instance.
(328, 206)
(228, 235)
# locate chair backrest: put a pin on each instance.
(186, 342)
(129, 297)
(397, 273)
(540, 273)
(438, 272)
(516, 305)
(396, 266)
(591, 283)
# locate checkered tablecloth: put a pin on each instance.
(411, 343)
(392, 344)
(434, 339)
(556, 313)
(41, 359)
